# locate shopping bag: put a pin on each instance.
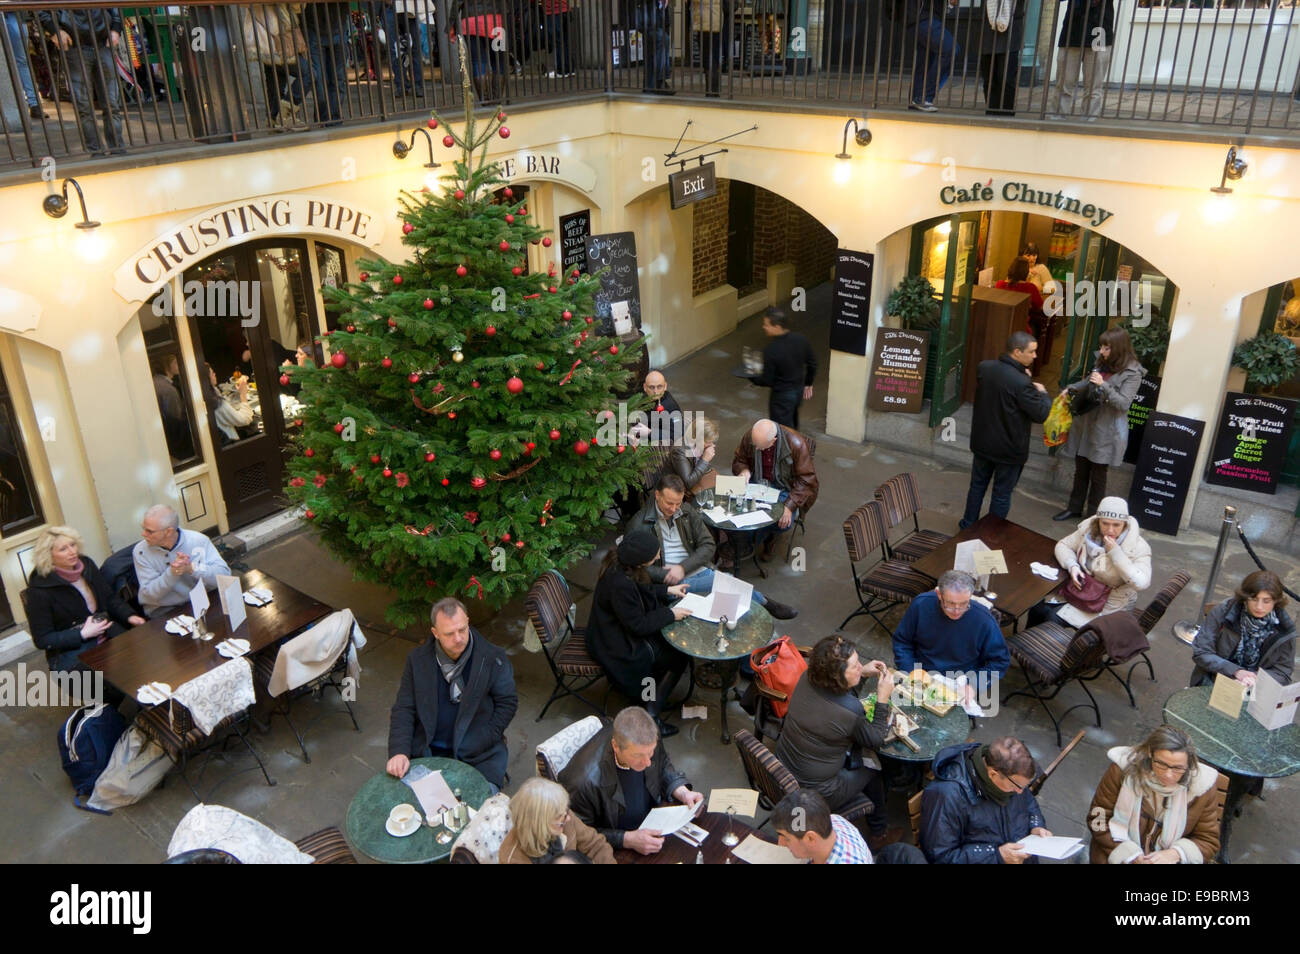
(1057, 426)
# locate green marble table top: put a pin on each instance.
(369, 811)
(699, 638)
(934, 733)
(1241, 746)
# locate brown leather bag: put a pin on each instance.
(1090, 597)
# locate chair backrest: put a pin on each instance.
(483, 836)
(764, 770)
(1148, 618)
(1037, 784)
(462, 856)
(864, 531)
(547, 604)
(899, 498)
(556, 752)
(1085, 652)
(22, 598)
(914, 816)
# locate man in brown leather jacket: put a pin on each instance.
(782, 458)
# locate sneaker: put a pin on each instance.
(925, 107)
(553, 75)
(35, 112)
(780, 610)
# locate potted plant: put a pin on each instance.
(913, 302)
(1150, 340)
(1268, 360)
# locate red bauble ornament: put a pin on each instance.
(449, 140)
(433, 124)
(338, 428)
(510, 218)
(386, 363)
(546, 242)
(552, 289)
(387, 472)
(451, 415)
(555, 435)
(505, 538)
(360, 478)
(566, 314)
(590, 319)
(504, 132)
(523, 210)
(428, 304)
(621, 448)
(475, 385)
(364, 276)
(392, 323)
(407, 228)
(508, 192)
(541, 365)
(374, 458)
(490, 330)
(494, 454)
(613, 349)
(504, 246)
(515, 385)
(310, 514)
(339, 359)
(516, 271)
(659, 408)
(530, 447)
(446, 482)
(574, 274)
(309, 453)
(458, 194)
(351, 328)
(413, 377)
(461, 271)
(284, 380)
(594, 442)
(501, 115)
(430, 457)
(397, 279)
(519, 544)
(478, 483)
(581, 447)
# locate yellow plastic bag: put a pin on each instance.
(1057, 426)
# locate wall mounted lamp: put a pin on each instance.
(400, 148)
(861, 135)
(56, 205)
(1234, 167)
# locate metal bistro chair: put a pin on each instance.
(888, 582)
(774, 781)
(1052, 656)
(1147, 619)
(555, 753)
(798, 522)
(900, 498)
(766, 722)
(547, 604)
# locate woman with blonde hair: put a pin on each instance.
(692, 457)
(69, 604)
(543, 828)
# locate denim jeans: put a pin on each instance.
(1004, 478)
(701, 582)
(327, 52)
(935, 52)
(92, 75)
(658, 58)
(411, 78)
(557, 38)
(18, 43)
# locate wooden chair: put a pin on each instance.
(1051, 656)
(888, 582)
(900, 498)
(328, 847)
(914, 816)
(774, 781)
(1040, 780)
(547, 604)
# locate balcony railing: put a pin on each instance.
(87, 80)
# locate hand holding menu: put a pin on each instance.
(667, 820)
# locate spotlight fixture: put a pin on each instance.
(1234, 167)
(400, 148)
(56, 205)
(861, 135)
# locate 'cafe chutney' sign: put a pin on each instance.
(1058, 201)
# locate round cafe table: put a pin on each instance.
(743, 540)
(933, 733)
(699, 639)
(382, 793)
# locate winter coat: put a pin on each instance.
(56, 609)
(683, 463)
(985, 41)
(959, 825)
(1219, 635)
(821, 728)
(1006, 404)
(271, 34)
(1126, 569)
(578, 836)
(711, 16)
(595, 795)
(695, 537)
(1200, 839)
(1082, 18)
(88, 26)
(1101, 435)
(487, 705)
(625, 617)
(794, 466)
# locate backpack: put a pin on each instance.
(86, 743)
(778, 666)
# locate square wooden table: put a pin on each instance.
(1019, 588)
(149, 653)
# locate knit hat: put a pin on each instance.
(638, 547)
(1113, 508)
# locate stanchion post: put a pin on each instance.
(1187, 629)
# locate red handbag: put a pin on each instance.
(1090, 597)
(778, 666)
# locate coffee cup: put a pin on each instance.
(402, 816)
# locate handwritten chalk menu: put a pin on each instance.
(1251, 443)
(613, 256)
(1143, 404)
(852, 298)
(574, 230)
(1164, 471)
(898, 370)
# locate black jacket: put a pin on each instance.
(1219, 635)
(1082, 17)
(625, 617)
(821, 727)
(959, 825)
(88, 26)
(56, 610)
(1006, 404)
(486, 708)
(788, 363)
(695, 536)
(595, 796)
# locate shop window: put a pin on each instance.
(171, 388)
(20, 508)
(329, 266)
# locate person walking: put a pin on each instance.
(1007, 401)
(87, 36)
(936, 51)
(789, 367)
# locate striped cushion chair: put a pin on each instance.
(900, 498)
(1147, 619)
(1051, 656)
(774, 781)
(547, 604)
(328, 847)
(887, 582)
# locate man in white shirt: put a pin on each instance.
(169, 561)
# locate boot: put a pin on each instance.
(780, 610)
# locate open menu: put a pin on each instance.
(730, 597)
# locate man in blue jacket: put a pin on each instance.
(979, 807)
(942, 631)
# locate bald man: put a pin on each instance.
(669, 424)
(779, 457)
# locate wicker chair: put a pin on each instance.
(328, 847)
(900, 498)
(888, 582)
(1051, 656)
(774, 781)
(547, 604)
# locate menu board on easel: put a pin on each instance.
(1143, 404)
(898, 370)
(1251, 442)
(614, 256)
(1164, 471)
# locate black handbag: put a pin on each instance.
(1087, 398)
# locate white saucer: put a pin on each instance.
(397, 832)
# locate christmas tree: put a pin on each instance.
(449, 446)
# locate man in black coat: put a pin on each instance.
(87, 36)
(456, 699)
(1007, 401)
(619, 775)
(789, 368)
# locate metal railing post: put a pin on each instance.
(1185, 629)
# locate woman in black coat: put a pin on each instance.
(1087, 34)
(1001, 26)
(65, 594)
(628, 613)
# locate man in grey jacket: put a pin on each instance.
(86, 36)
(169, 561)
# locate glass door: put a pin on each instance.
(956, 243)
(1099, 261)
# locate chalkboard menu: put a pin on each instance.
(1138, 412)
(1251, 442)
(852, 298)
(615, 256)
(574, 230)
(898, 370)
(1164, 471)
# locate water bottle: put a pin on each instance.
(699, 857)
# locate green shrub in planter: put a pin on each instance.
(1268, 360)
(913, 301)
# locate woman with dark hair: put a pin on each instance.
(1039, 275)
(1156, 805)
(1245, 633)
(1099, 433)
(827, 741)
(628, 614)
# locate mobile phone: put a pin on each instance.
(100, 617)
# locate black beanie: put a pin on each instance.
(637, 548)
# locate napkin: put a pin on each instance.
(153, 693)
(233, 647)
(1045, 571)
(257, 596)
(179, 625)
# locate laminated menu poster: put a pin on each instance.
(1143, 404)
(1164, 471)
(898, 370)
(1251, 442)
(849, 310)
(574, 230)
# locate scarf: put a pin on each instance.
(1169, 817)
(73, 575)
(984, 780)
(453, 670)
(999, 13)
(556, 848)
(1254, 633)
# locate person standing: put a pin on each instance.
(712, 21)
(1007, 402)
(18, 44)
(1002, 33)
(1099, 435)
(87, 36)
(402, 26)
(655, 21)
(936, 51)
(1087, 34)
(556, 29)
(789, 367)
(325, 27)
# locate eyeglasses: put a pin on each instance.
(1014, 784)
(955, 607)
(1166, 767)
